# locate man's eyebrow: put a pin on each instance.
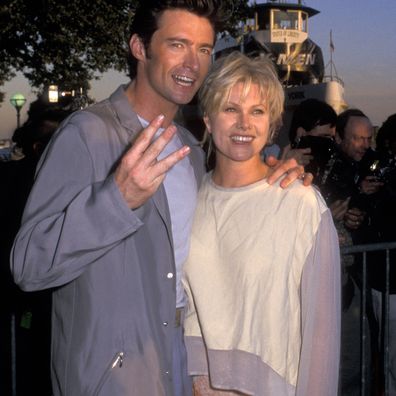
(189, 42)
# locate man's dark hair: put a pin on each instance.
(343, 118)
(309, 114)
(148, 12)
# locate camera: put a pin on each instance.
(382, 170)
(322, 150)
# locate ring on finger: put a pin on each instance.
(302, 176)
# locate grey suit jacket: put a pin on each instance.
(113, 301)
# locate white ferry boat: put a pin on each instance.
(279, 30)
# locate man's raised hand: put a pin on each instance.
(139, 173)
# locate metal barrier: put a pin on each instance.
(364, 249)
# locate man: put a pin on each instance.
(313, 118)
(108, 231)
(347, 179)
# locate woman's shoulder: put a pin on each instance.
(305, 196)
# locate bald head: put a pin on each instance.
(357, 137)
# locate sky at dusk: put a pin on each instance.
(364, 37)
(364, 34)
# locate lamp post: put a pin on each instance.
(18, 100)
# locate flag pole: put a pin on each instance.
(331, 53)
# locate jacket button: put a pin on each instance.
(165, 324)
(169, 275)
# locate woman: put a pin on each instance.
(263, 275)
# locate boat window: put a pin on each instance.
(304, 22)
(285, 19)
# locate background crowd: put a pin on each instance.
(354, 167)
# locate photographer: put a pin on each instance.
(348, 178)
(311, 136)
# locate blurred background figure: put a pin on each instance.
(383, 222)
(386, 141)
(25, 317)
(311, 135)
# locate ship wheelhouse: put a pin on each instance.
(279, 30)
(283, 22)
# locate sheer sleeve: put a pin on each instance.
(321, 315)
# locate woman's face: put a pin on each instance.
(240, 129)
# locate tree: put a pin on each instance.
(240, 11)
(69, 43)
(65, 43)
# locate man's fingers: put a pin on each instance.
(307, 178)
(353, 218)
(290, 170)
(163, 166)
(280, 168)
(143, 140)
(157, 146)
(292, 175)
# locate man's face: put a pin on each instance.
(178, 57)
(357, 137)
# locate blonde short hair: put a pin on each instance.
(236, 68)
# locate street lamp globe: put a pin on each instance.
(18, 100)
